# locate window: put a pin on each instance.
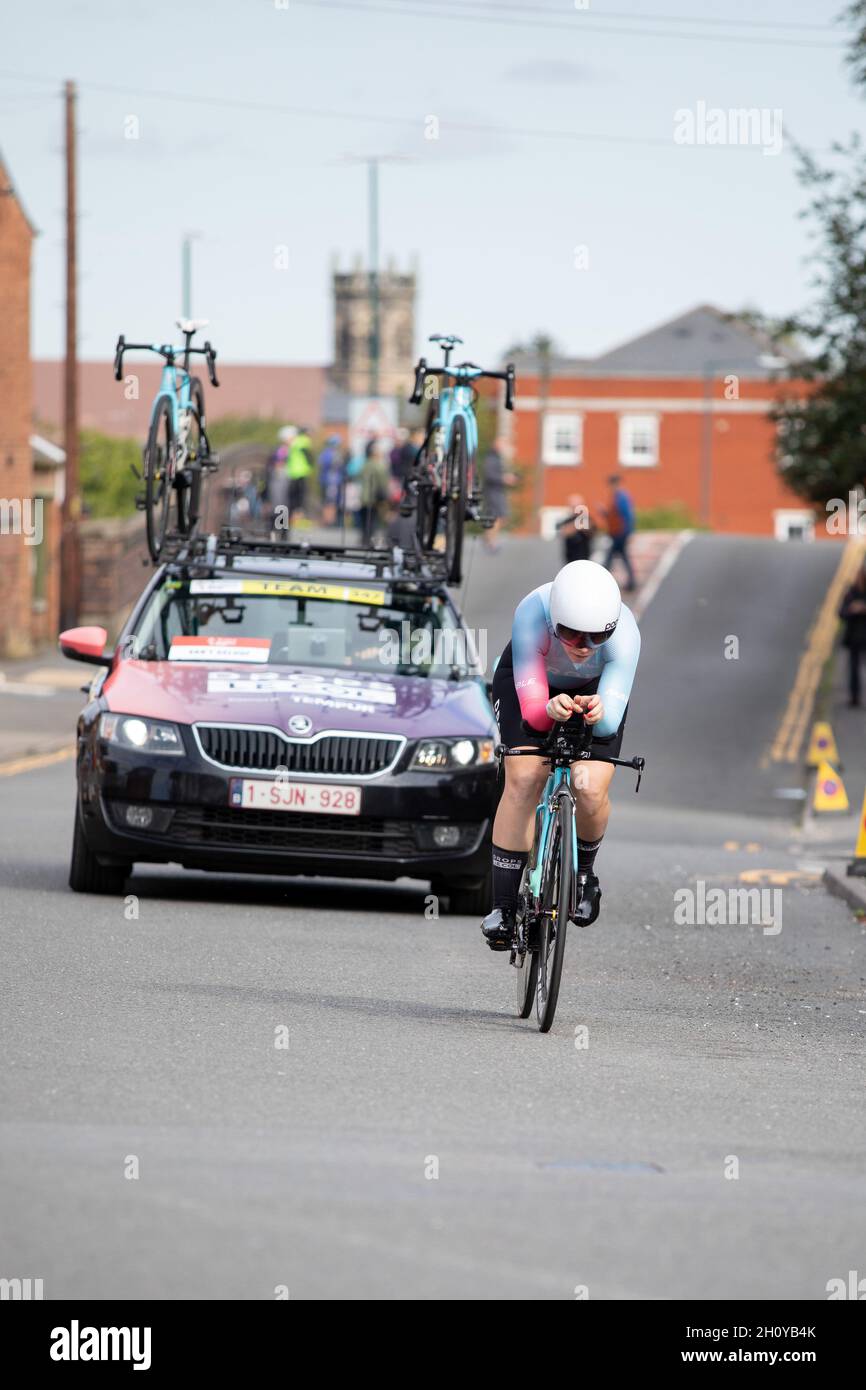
(562, 440)
(789, 524)
(638, 440)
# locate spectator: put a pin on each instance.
(853, 612)
(619, 521)
(576, 531)
(299, 466)
(331, 466)
(277, 488)
(374, 488)
(495, 481)
(402, 458)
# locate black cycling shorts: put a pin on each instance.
(506, 708)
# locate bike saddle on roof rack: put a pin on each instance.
(444, 338)
(191, 325)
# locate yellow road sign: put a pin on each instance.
(858, 864)
(822, 746)
(829, 794)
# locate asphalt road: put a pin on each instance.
(559, 1165)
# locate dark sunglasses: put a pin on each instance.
(583, 639)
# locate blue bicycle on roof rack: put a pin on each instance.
(443, 487)
(177, 453)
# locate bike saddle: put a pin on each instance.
(444, 338)
(191, 325)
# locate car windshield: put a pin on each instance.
(283, 622)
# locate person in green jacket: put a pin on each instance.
(299, 466)
(374, 479)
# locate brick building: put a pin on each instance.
(680, 412)
(30, 468)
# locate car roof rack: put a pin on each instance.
(220, 551)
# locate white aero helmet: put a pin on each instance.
(585, 597)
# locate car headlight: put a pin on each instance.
(144, 735)
(440, 754)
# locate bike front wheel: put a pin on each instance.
(556, 897)
(159, 463)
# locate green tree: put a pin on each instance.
(822, 434)
(108, 483)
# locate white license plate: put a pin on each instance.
(322, 800)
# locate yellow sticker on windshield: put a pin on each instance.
(288, 588)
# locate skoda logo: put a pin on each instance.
(300, 724)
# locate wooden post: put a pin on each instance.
(70, 557)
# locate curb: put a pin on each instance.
(852, 890)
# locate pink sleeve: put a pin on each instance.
(529, 643)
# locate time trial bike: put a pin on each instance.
(551, 889)
(443, 486)
(177, 454)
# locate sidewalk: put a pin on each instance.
(831, 838)
(40, 697)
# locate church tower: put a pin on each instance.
(353, 330)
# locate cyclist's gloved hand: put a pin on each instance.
(561, 708)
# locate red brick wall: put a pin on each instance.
(745, 485)
(15, 416)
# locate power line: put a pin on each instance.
(410, 123)
(497, 7)
(576, 26)
(413, 123)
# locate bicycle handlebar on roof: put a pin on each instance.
(463, 373)
(169, 353)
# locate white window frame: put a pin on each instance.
(785, 517)
(553, 422)
(627, 456)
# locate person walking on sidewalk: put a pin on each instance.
(853, 614)
(619, 518)
(576, 531)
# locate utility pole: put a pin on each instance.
(186, 273)
(70, 554)
(373, 199)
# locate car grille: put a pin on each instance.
(296, 834)
(264, 750)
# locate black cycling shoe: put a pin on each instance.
(589, 900)
(498, 928)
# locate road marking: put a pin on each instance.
(664, 566)
(34, 760)
(788, 743)
(779, 876)
(8, 687)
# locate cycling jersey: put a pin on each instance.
(540, 660)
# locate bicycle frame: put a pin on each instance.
(458, 401)
(546, 808)
(178, 391)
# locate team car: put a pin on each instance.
(287, 710)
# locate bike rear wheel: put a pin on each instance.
(159, 458)
(428, 496)
(525, 971)
(456, 469)
(556, 895)
(189, 488)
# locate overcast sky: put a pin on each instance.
(496, 211)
